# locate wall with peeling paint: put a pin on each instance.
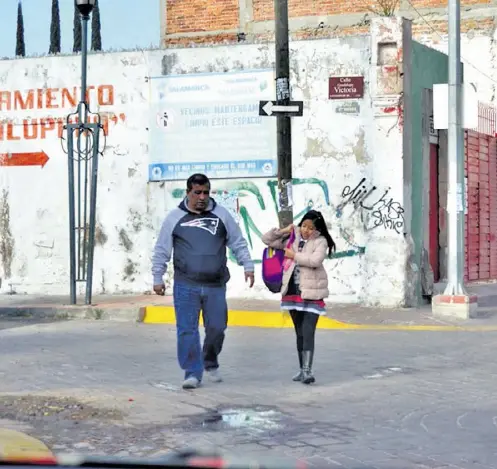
(347, 163)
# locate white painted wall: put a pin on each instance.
(478, 56)
(331, 150)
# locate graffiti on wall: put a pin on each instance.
(256, 214)
(18, 109)
(375, 206)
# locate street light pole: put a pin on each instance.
(455, 200)
(84, 65)
(83, 151)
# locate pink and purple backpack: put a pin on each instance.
(273, 263)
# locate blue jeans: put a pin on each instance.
(188, 301)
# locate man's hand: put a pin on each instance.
(160, 289)
(289, 253)
(250, 276)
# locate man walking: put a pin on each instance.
(197, 232)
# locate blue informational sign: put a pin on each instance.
(209, 123)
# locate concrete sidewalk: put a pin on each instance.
(152, 309)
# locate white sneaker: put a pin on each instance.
(191, 383)
(214, 375)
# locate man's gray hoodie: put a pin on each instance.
(198, 243)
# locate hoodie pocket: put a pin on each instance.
(207, 268)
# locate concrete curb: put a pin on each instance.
(164, 314)
(279, 319)
(128, 313)
(18, 445)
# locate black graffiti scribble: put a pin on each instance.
(383, 212)
(356, 196)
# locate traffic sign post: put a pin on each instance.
(283, 122)
(283, 109)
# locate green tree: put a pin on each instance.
(55, 29)
(20, 46)
(77, 31)
(96, 35)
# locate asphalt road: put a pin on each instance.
(382, 399)
(9, 323)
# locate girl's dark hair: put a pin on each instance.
(320, 225)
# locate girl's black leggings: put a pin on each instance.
(305, 328)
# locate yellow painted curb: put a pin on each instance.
(280, 319)
(15, 444)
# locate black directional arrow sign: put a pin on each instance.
(289, 109)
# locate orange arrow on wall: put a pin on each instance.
(38, 158)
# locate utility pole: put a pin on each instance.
(455, 200)
(283, 122)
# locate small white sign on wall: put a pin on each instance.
(441, 106)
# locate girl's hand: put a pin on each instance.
(288, 229)
(289, 253)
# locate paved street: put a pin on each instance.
(9, 323)
(382, 399)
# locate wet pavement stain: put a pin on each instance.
(253, 419)
(386, 372)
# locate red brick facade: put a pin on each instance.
(221, 20)
(186, 16)
(481, 218)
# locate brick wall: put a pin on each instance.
(220, 21)
(441, 4)
(481, 217)
(186, 16)
(263, 9)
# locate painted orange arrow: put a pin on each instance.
(37, 158)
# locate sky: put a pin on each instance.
(126, 24)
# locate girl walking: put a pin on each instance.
(305, 282)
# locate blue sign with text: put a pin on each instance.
(210, 123)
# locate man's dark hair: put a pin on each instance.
(197, 180)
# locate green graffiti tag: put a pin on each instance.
(248, 188)
(297, 182)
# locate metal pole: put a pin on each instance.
(93, 209)
(72, 218)
(82, 150)
(455, 200)
(283, 123)
(83, 179)
(90, 172)
(84, 66)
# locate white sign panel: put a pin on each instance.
(209, 123)
(441, 106)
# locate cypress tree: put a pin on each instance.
(20, 46)
(77, 31)
(55, 29)
(96, 36)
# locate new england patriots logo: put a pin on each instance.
(207, 224)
